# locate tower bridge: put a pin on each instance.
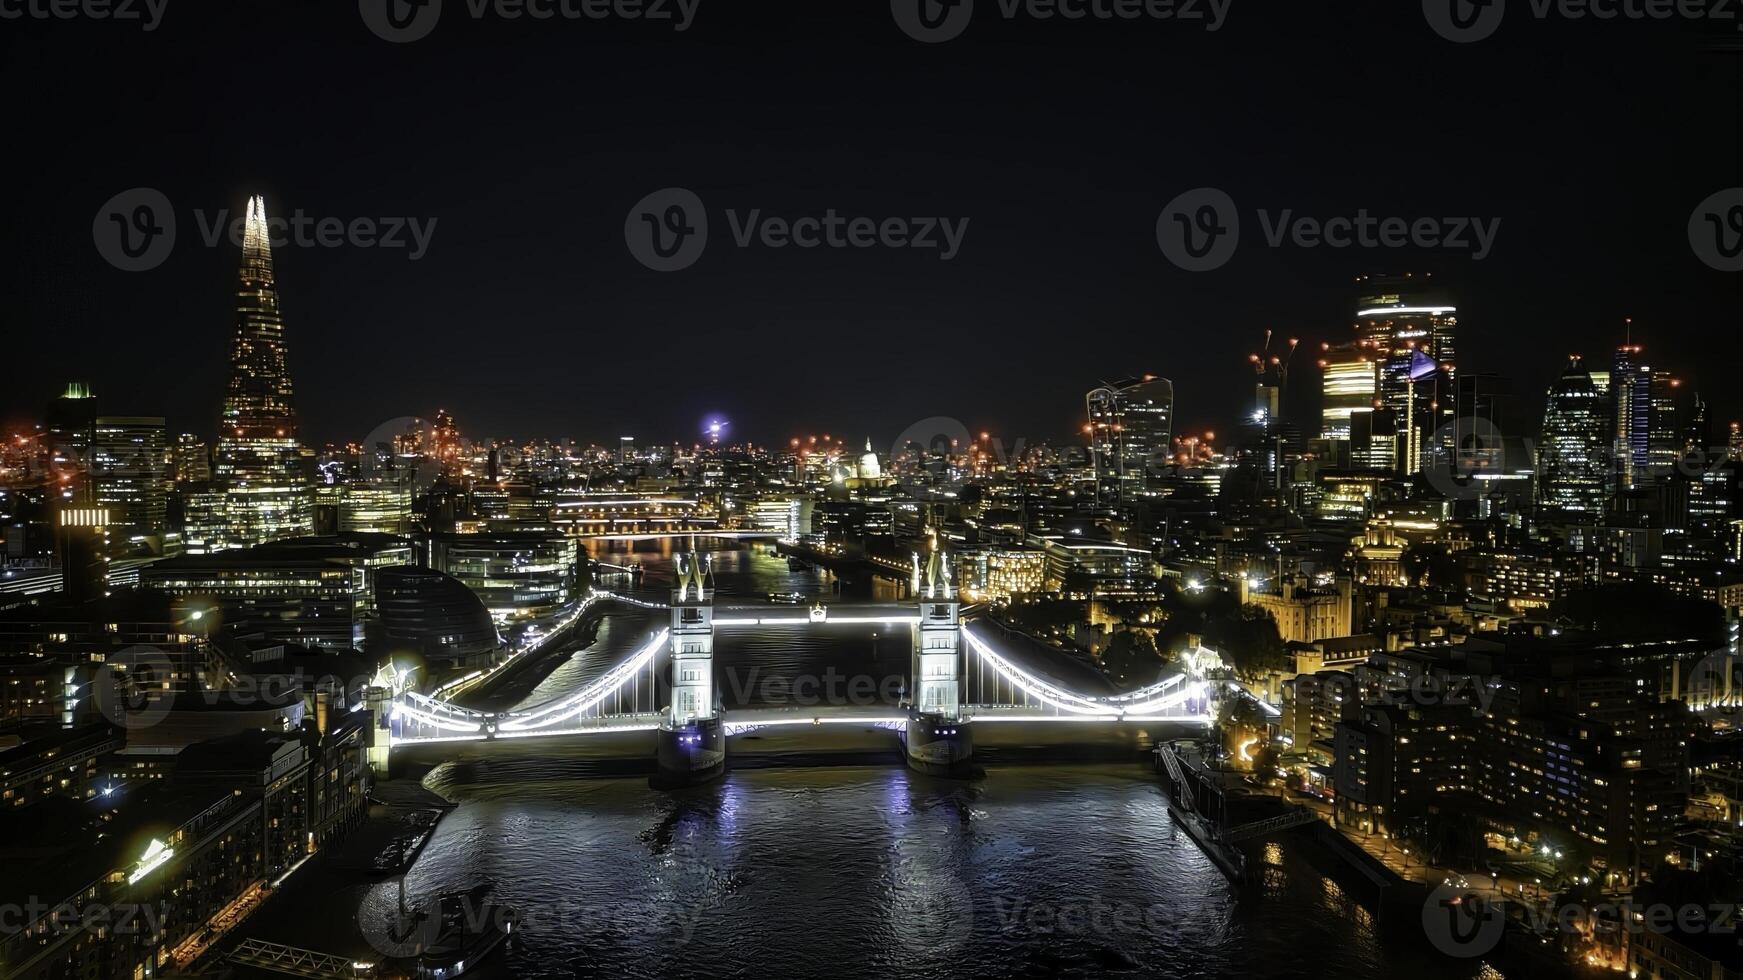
(958, 681)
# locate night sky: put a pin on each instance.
(529, 141)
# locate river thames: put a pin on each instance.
(865, 870)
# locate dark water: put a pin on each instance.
(869, 871)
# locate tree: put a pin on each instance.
(1245, 636)
(1131, 660)
(1240, 722)
(1430, 565)
(1265, 761)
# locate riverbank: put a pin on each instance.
(318, 907)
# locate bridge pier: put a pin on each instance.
(690, 753)
(938, 746)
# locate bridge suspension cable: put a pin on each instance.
(590, 696)
(1054, 696)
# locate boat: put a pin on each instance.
(796, 564)
(466, 932)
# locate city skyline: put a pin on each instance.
(1303, 399)
(553, 488)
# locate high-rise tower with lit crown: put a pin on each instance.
(260, 467)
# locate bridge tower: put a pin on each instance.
(692, 742)
(937, 738)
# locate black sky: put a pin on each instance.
(529, 141)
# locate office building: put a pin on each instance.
(1572, 461)
(1130, 425)
(129, 471)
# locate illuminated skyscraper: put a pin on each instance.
(1350, 385)
(1571, 463)
(1667, 438)
(1130, 424)
(130, 477)
(1630, 392)
(1411, 327)
(260, 465)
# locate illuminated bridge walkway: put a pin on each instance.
(628, 696)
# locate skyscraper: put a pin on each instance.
(260, 466)
(1411, 327)
(1350, 385)
(1630, 392)
(1667, 438)
(1130, 424)
(130, 477)
(1571, 463)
